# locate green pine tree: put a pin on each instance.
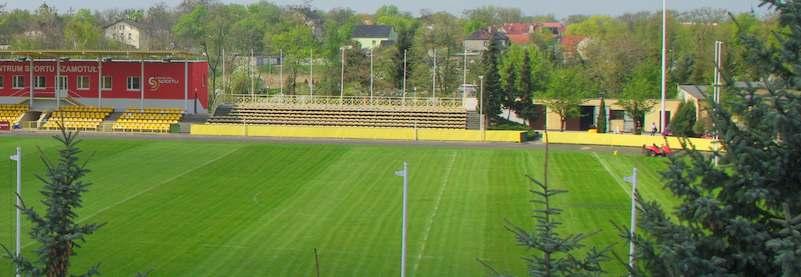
(492, 79)
(742, 217)
(57, 231)
(602, 117)
(555, 253)
(525, 103)
(684, 120)
(510, 91)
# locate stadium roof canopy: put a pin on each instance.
(52, 54)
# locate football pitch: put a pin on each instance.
(227, 208)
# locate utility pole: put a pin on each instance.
(18, 158)
(342, 75)
(404, 76)
(633, 180)
(311, 72)
(717, 85)
(371, 75)
(281, 73)
(664, 67)
(464, 74)
(434, 78)
(225, 80)
(481, 105)
(405, 174)
(252, 78)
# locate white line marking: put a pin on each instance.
(148, 189)
(618, 180)
(434, 214)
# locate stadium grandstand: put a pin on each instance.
(143, 91)
(293, 110)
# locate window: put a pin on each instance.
(133, 83)
(617, 115)
(2, 82)
(39, 82)
(106, 84)
(17, 82)
(83, 82)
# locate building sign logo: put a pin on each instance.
(156, 82)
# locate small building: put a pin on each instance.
(126, 32)
(479, 40)
(374, 36)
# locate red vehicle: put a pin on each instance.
(656, 151)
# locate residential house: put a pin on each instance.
(479, 40)
(374, 36)
(574, 46)
(126, 32)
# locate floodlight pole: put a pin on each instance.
(405, 174)
(342, 76)
(58, 82)
(664, 67)
(142, 86)
(464, 74)
(371, 75)
(633, 180)
(434, 78)
(225, 80)
(18, 158)
(717, 84)
(281, 72)
(99, 82)
(30, 87)
(311, 72)
(404, 76)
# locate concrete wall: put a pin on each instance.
(410, 134)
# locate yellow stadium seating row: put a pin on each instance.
(11, 113)
(142, 127)
(77, 117)
(148, 119)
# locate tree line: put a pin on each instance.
(619, 57)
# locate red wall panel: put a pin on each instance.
(162, 80)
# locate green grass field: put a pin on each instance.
(224, 208)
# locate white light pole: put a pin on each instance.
(18, 158)
(99, 82)
(252, 78)
(464, 74)
(371, 75)
(225, 80)
(633, 180)
(405, 174)
(664, 67)
(342, 75)
(281, 72)
(481, 104)
(311, 72)
(58, 82)
(404, 76)
(30, 87)
(434, 77)
(718, 83)
(142, 85)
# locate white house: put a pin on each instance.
(126, 32)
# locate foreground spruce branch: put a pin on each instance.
(57, 230)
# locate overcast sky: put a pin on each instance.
(560, 8)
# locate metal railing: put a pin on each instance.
(308, 100)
